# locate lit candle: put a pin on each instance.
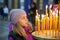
(37, 21)
(53, 23)
(46, 10)
(43, 22)
(36, 17)
(47, 18)
(50, 17)
(38, 24)
(59, 20)
(47, 22)
(56, 21)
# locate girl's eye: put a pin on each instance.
(23, 17)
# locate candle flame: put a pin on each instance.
(50, 5)
(53, 13)
(43, 15)
(46, 6)
(59, 11)
(36, 17)
(36, 10)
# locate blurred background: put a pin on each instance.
(21, 4)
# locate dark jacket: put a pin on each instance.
(1, 11)
(32, 13)
(15, 36)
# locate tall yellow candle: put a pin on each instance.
(50, 17)
(46, 10)
(38, 24)
(36, 19)
(43, 22)
(59, 21)
(47, 18)
(53, 23)
(56, 21)
(47, 22)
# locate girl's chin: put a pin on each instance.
(26, 25)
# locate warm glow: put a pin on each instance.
(50, 6)
(50, 22)
(36, 16)
(53, 13)
(56, 15)
(59, 11)
(46, 6)
(43, 15)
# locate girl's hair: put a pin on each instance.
(20, 30)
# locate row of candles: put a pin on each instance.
(51, 22)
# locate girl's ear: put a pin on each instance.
(18, 24)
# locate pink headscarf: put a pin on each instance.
(15, 14)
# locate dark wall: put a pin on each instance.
(6, 2)
(55, 1)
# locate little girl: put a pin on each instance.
(22, 28)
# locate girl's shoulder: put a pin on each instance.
(12, 35)
(15, 36)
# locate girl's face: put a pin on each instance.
(23, 21)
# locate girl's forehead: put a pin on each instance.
(23, 15)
